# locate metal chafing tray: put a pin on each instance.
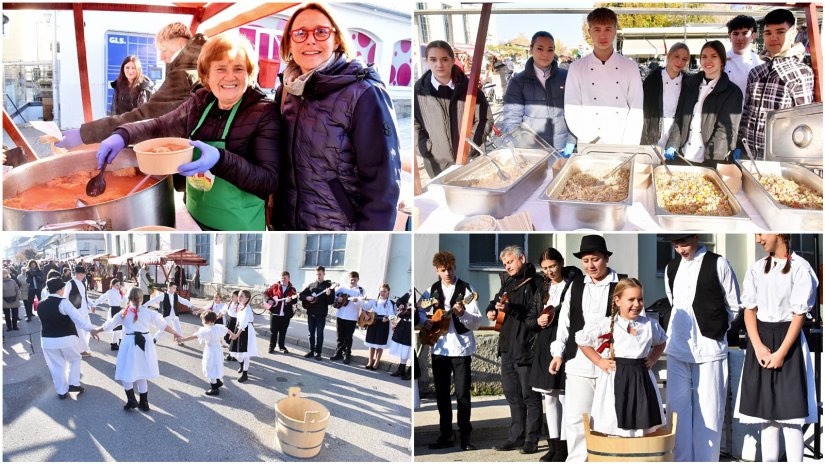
(691, 222)
(795, 134)
(777, 215)
(572, 215)
(497, 202)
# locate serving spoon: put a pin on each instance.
(97, 184)
(501, 174)
(750, 155)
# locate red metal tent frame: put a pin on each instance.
(200, 13)
(180, 256)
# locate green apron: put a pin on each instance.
(224, 206)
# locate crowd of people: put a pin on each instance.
(580, 342)
(713, 114)
(324, 155)
(137, 319)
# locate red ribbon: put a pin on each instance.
(608, 339)
(126, 312)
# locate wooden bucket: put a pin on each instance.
(301, 424)
(656, 447)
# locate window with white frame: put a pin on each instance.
(328, 250)
(249, 249)
(203, 247)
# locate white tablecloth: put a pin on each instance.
(435, 216)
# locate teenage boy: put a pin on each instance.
(316, 298)
(79, 298)
(281, 312)
(604, 96)
(741, 58)
(782, 81)
(346, 317)
(169, 309)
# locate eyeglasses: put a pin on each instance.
(320, 33)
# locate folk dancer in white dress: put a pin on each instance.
(60, 322)
(210, 336)
(401, 340)
(625, 346)
(169, 308)
(378, 333)
(78, 296)
(777, 385)
(702, 290)
(115, 297)
(244, 348)
(137, 359)
(229, 314)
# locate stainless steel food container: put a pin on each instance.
(154, 206)
(572, 215)
(693, 222)
(775, 214)
(468, 201)
(795, 134)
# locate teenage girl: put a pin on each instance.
(243, 347)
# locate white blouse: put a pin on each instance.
(113, 297)
(229, 309)
(625, 345)
(245, 318)
(381, 307)
(779, 296)
(147, 318)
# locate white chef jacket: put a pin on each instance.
(453, 343)
(604, 100)
(671, 89)
(70, 341)
(685, 340)
(739, 66)
(350, 311)
(779, 296)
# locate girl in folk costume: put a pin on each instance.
(115, 296)
(215, 306)
(777, 384)
(627, 401)
(379, 332)
(402, 335)
(137, 359)
(243, 348)
(229, 314)
(210, 335)
(541, 318)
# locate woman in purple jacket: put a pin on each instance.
(342, 164)
(236, 134)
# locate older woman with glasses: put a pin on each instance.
(235, 131)
(342, 143)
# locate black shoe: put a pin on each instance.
(219, 383)
(318, 357)
(229, 357)
(63, 396)
(407, 374)
(560, 451)
(441, 443)
(131, 402)
(243, 377)
(271, 350)
(113, 346)
(28, 318)
(76, 388)
(399, 371)
(337, 357)
(551, 449)
(309, 355)
(347, 359)
(213, 391)
(467, 446)
(143, 405)
(529, 448)
(509, 445)
(16, 328)
(284, 350)
(240, 369)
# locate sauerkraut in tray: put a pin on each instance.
(586, 186)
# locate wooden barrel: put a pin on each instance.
(301, 424)
(656, 447)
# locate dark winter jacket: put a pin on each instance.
(720, 115)
(125, 100)
(515, 337)
(36, 280)
(653, 106)
(437, 119)
(541, 107)
(342, 165)
(253, 145)
(181, 77)
(320, 305)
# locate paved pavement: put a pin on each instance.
(370, 410)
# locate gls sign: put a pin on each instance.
(117, 40)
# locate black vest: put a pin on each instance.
(167, 308)
(53, 323)
(461, 289)
(74, 294)
(577, 314)
(710, 311)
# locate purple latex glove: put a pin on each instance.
(109, 149)
(209, 157)
(71, 138)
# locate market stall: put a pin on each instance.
(165, 261)
(126, 261)
(101, 277)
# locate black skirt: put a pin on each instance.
(379, 332)
(540, 377)
(230, 324)
(637, 405)
(403, 333)
(239, 344)
(774, 394)
(113, 310)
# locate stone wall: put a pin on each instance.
(486, 369)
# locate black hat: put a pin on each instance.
(676, 237)
(54, 285)
(591, 243)
(403, 299)
(79, 269)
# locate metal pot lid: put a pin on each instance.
(795, 134)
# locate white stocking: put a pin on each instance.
(769, 439)
(142, 385)
(794, 447)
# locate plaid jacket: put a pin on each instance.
(782, 82)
